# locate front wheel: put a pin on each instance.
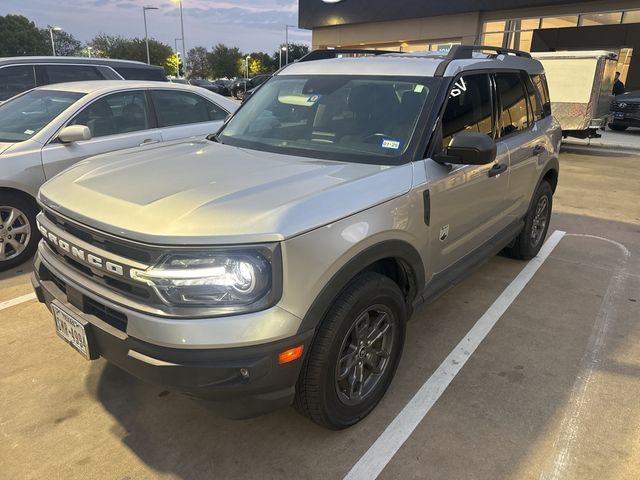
(18, 233)
(529, 242)
(617, 128)
(355, 353)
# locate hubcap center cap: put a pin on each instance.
(362, 352)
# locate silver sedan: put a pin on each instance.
(47, 129)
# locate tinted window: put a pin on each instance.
(469, 107)
(116, 113)
(16, 79)
(22, 117)
(181, 108)
(540, 84)
(536, 111)
(72, 73)
(513, 103)
(133, 73)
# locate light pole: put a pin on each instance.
(175, 44)
(184, 51)
(282, 49)
(146, 35)
(89, 51)
(286, 36)
(53, 44)
(247, 66)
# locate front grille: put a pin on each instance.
(85, 304)
(625, 106)
(109, 315)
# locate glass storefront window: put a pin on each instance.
(600, 19)
(632, 16)
(493, 39)
(560, 22)
(522, 40)
(624, 60)
(529, 23)
(494, 26)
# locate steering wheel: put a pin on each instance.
(373, 137)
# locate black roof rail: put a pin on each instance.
(324, 54)
(465, 52)
(462, 52)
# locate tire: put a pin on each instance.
(529, 242)
(617, 128)
(17, 214)
(371, 300)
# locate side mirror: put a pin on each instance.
(74, 133)
(469, 148)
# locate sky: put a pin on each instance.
(251, 25)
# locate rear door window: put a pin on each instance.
(469, 107)
(16, 79)
(71, 73)
(118, 113)
(514, 115)
(182, 108)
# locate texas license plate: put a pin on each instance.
(71, 330)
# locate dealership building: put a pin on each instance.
(531, 25)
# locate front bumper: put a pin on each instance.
(625, 118)
(210, 373)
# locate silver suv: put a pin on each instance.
(278, 261)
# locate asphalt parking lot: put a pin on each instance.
(551, 392)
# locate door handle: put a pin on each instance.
(148, 141)
(538, 149)
(497, 169)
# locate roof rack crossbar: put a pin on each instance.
(463, 52)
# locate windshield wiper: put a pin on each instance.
(213, 138)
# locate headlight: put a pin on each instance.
(211, 279)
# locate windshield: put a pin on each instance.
(337, 117)
(24, 116)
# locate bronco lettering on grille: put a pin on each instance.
(78, 253)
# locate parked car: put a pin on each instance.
(625, 111)
(241, 85)
(206, 84)
(18, 74)
(279, 261)
(47, 129)
(225, 86)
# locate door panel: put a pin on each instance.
(467, 205)
(116, 121)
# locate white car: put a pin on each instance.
(47, 129)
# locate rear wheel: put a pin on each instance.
(529, 242)
(18, 233)
(355, 354)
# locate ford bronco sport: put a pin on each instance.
(278, 261)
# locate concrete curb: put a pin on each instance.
(599, 148)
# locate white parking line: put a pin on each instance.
(385, 447)
(17, 300)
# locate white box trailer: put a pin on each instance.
(580, 86)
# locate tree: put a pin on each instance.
(296, 52)
(260, 62)
(20, 36)
(225, 61)
(198, 61)
(132, 49)
(66, 44)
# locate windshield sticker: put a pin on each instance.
(419, 88)
(458, 88)
(313, 98)
(29, 132)
(394, 144)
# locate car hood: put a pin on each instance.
(4, 146)
(208, 193)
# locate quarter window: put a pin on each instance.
(117, 113)
(72, 73)
(469, 108)
(540, 84)
(513, 103)
(16, 79)
(536, 112)
(182, 108)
